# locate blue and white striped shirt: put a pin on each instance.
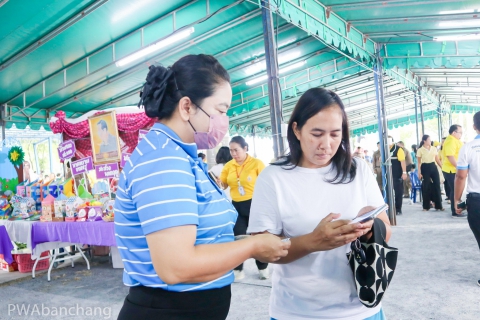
(165, 185)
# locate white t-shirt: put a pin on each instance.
(293, 202)
(469, 158)
(217, 171)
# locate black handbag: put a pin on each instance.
(373, 264)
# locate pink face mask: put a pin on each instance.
(216, 132)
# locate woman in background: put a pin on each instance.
(427, 156)
(240, 174)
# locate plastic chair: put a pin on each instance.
(416, 186)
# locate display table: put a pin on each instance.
(19, 231)
(99, 233)
(56, 235)
(6, 245)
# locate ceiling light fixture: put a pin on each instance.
(283, 70)
(459, 23)
(458, 11)
(458, 37)
(261, 65)
(156, 46)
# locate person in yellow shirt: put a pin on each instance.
(427, 155)
(240, 174)
(446, 187)
(399, 172)
(451, 149)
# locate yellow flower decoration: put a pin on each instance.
(14, 155)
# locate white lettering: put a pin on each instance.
(35, 310)
(45, 311)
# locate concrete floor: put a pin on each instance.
(438, 266)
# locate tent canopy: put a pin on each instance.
(63, 54)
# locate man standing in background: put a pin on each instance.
(377, 166)
(399, 172)
(407, 184)
(451, 149)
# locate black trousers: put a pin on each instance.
(154, 303)
(447, 187)
(240, 228)
(431, 186)
(450, 179)
(398, 187)
(473, 209)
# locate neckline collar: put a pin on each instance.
(189, 148)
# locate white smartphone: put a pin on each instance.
(370, 215)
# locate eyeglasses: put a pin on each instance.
(358, 252)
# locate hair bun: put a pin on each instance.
(154, 89)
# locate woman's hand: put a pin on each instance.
(420, 175)
(269, 248)
(331, 234)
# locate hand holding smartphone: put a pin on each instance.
(370, 215)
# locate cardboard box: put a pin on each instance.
(48, 208)
(21, 190)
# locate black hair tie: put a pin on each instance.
(153, 91)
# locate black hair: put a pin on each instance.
(453, 128)
(201, 155)
(102, 124)
(414, 148)
(311, 103)
(476, 120)
(424, 138)
(240, 140)
(223, 155)
(193, 76)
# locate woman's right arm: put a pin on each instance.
(176, 259)
(327, 235)
(419, 159)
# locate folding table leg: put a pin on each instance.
(51, 265)
(84, 257)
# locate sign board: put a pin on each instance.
(125, 157)
(82, 166)
(107, 171)
(66, 150)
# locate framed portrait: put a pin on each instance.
(104, 138)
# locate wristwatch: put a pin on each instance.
(404, 172)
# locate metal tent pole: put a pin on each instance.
(421, 108)
(439, 118)
(383, 135)
(3, 116)
(416, 117)
(274, 91)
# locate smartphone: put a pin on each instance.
(370, 215)
(462, 205)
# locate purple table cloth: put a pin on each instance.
(6, 245)
(99, 233)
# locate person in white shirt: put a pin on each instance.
(223, 156)
(468, 166)
(310, 196)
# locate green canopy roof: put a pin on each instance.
(63, 54)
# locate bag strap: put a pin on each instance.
(379, 231)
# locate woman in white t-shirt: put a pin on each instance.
(310, 196)
(223, 156)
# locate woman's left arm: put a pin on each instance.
(382, 216)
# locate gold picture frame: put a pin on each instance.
(104, 138)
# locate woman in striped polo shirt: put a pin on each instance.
(174, 226)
